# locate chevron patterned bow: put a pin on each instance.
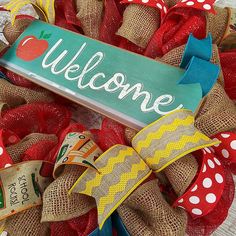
(43, 7)
(205, 5)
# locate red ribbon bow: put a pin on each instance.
(226, 150)
(205, 5)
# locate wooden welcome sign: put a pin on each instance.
(129, 88)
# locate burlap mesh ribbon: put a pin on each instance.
(89, 13)
(139, 24)
(217, 114)
(2, 46)
(15, 95)
(217, 24)
(146, 212)
(12, 32)
(181, 173)
(16, 151)
(27, 223)
(58, 205)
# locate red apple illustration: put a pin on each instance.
(31, 48)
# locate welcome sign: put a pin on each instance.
(129, 88)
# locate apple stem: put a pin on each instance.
(41, 34)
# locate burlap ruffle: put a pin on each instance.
(14, 95)
(89, 13)
(129, 134)
(181, 173)
(16, 151)
(217, 24)
(27, 223)
(139, 24)
(58, 205)
(146, 212)
(217, 113)
(12, 32)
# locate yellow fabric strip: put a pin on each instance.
(121, 170)
(15, 6)
(178, 145)
(160, 132)
(46, 7)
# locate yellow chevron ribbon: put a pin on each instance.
(168, 139)
(163, 129)
(44, 7)
(121, 171)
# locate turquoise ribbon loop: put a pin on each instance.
(115, 222)
(196, 61)
(119, 225)
(203, 72)
(198, 48)
(105, 231)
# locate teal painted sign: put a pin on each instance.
(127, 87)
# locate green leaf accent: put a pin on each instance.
(62, 151)
(47, 36)
(41, 34)
(35, 184)
(1, 199)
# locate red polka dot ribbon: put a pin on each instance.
(226, 150)
(205, 5)
(6, 138)
(204, 194)
(159, 4)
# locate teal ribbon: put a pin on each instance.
(196, 61)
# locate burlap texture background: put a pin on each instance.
(217, 113)
(89, 13)
(146, 212)
(139, 24)
(14, 95)
(58, 205)
(15, 151)
(217, 24)
(27, 223)
(181, 173)
(12, 32)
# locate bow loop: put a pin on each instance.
(205, 5)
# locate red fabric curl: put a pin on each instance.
(47, 118)
(111, 133)
(66, 15)
(19, 80)
(81, 226)
(175, 30)
(228, 65)
(111, 23)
